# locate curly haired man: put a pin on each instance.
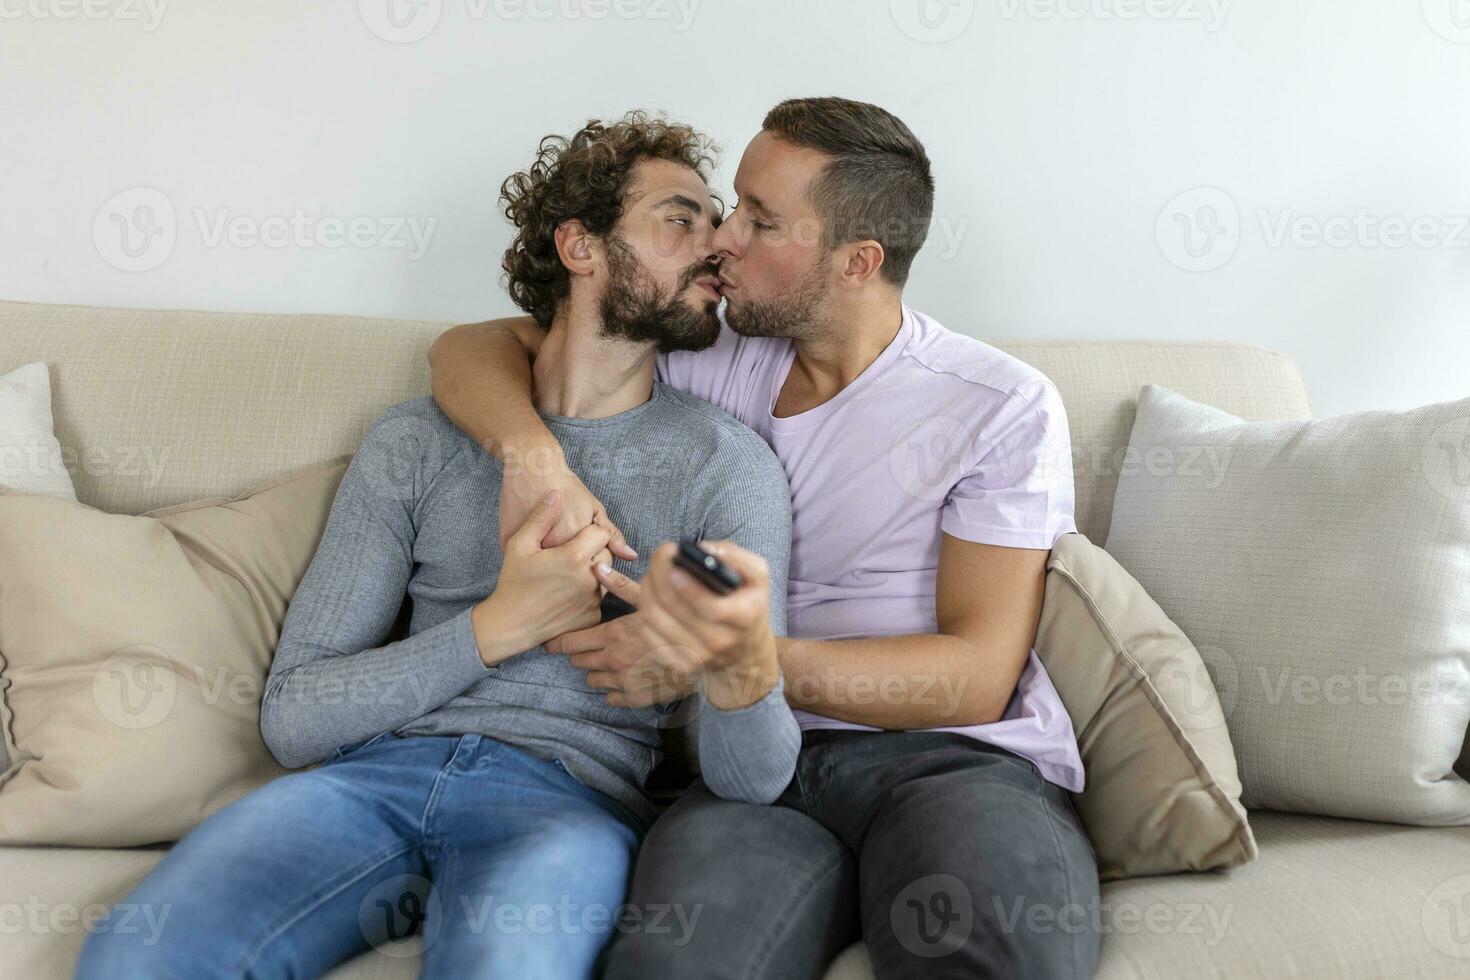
(475, 789)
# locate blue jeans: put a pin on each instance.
(504, 864)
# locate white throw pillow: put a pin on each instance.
(1322, 570)
(30, 456)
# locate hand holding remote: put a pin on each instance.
(715, 601)
(684, 634)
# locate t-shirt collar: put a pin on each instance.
(813, 416)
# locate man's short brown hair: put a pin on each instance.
(582, 176)
(878, 184)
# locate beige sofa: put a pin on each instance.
(165, 407)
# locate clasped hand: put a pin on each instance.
(681, 638)
(680, 635)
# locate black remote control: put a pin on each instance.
(715, 574)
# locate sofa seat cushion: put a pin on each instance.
(1327, 898)
(45, 893)
(48, 894)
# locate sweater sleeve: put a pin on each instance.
(333, 680)
(749, 753)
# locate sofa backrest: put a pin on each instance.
(158, 407)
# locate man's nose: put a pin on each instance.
(724, 242)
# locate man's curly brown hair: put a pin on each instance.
(583, 177)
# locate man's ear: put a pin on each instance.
(576, 247)
(858, 263)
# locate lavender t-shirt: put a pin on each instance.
(942, 433)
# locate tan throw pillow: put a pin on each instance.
(135, 651)
(1162, 793)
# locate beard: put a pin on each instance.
(634, 309)
(800, 316)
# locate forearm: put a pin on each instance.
(480, 374)
(749, 753)
(317, 699)
(922, 680)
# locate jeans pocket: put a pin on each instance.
(343, 751)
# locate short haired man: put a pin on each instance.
(930, 476)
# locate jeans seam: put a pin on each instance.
(1051, 822)
(434, 792)
(443, 880)
(810, 799)
(1077, 815)
(290, 920)
(764, 951)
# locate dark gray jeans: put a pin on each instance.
(950, 857)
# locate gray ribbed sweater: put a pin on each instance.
(417, 514)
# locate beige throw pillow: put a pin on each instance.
(1162, 794)
(133, 654)
(1322, 569)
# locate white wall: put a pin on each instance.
(1063, 132)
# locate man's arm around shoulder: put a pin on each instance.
(480, 374)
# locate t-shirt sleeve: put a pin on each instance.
(1018, 491)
